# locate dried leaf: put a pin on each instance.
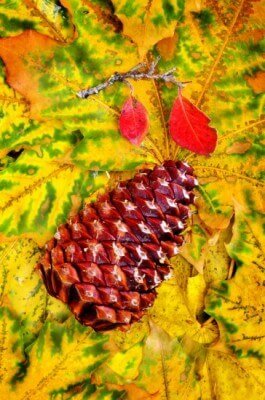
(238, 148)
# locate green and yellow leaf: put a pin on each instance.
(147, 22)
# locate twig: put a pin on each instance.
(137, 73)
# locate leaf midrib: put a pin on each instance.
(219, 55)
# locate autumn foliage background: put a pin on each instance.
(204, 336)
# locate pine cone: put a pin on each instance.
(107, 261)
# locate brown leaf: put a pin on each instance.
(167, 47)
(238, 148)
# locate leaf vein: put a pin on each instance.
(219, 55)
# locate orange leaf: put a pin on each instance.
(167, 47)
(257, 82)
(21, 52)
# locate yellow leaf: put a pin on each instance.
(166, 370)
(196, 290)
(230, 378)
(42, 192)
(126, 363)
(195, 247)
(237, 304)
(147, 22)
(83, 351)
(217, 261)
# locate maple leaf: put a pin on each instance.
(57, 151)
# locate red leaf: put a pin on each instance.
(189, 127)
(133, 121)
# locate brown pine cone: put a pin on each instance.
(106, 262)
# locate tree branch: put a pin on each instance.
(139, 72)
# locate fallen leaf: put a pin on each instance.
(189, 127)
(38, 179)
(237, 304)
(19, 59)
(238, 148)
(50, 18)
(166, 47)
(217, 261)
(133, 121)
(147, 22)
(196, 243)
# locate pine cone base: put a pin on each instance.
(107, 261)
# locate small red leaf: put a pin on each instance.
(189, 127)
(133, 121)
